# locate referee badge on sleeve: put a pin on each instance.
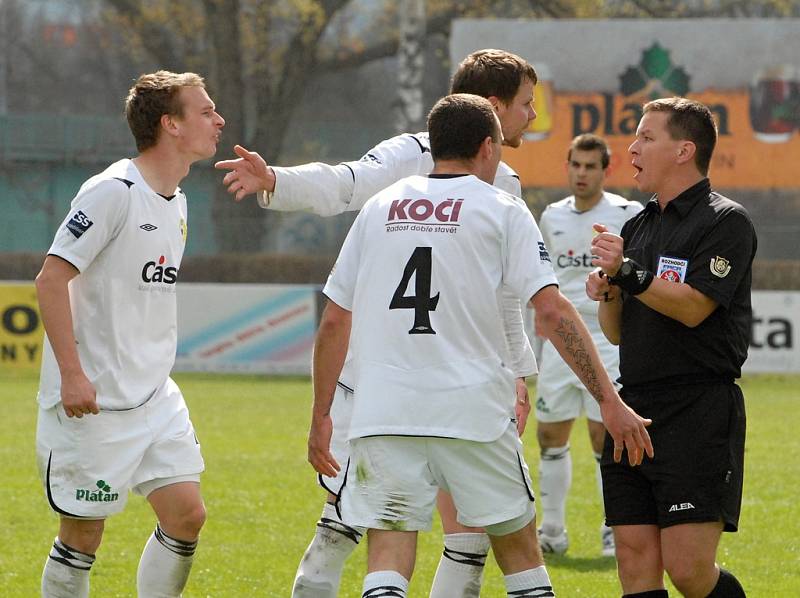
(672, 269)
(720, 266)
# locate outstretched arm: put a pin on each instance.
(248, 173)
(324, 189)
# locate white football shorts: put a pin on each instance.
(341, 412)
(392, 481)
(88, 465)
(560, 395)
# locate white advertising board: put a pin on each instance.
(773, 342)
(246, 328)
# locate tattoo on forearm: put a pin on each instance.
(573, 344)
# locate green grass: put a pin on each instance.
(263, 501)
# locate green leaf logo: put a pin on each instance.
(103, 486)
(655, 76)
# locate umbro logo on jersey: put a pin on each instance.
(684, 506)
(158, 272)
(148, 227)
(78, 224)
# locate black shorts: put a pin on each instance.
(696, 475)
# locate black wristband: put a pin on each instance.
(632, 278)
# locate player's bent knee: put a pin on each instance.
(186, 524)
(195, 519)
(83, 539)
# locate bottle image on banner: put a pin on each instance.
(543, 103)
(774, 103)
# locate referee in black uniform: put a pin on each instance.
(674, 292)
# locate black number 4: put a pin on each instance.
(421, 301)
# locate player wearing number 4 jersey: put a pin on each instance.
(433, 402)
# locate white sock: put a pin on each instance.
(555, 478)
(385, 584)
(320, 569)
(460, 570)
(66, 572)
(532, 583)
(164, 566)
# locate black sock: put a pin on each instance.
(648, 594)
(727, 586)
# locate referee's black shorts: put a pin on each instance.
(698, 434)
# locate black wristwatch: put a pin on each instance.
(631, 277)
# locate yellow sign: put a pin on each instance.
(21, 329)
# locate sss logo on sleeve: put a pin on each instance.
(79, 224)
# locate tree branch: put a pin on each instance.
(156, 39)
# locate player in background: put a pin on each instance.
(433, 403)
(507, 81)
(110, 417)
(566, 226)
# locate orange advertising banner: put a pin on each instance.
(744, 157)
(747, 71)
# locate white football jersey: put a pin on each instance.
(568, 235)
(127, 242)
(422, 270)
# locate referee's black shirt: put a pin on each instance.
(709, 240)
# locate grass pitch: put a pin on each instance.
(263, 501)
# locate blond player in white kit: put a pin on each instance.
(566, 226)
(111, 420)
(433, 401)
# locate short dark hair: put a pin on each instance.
(492, 73)
(691, 121)
(589, 142)
(152, 96)
(458, 124)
